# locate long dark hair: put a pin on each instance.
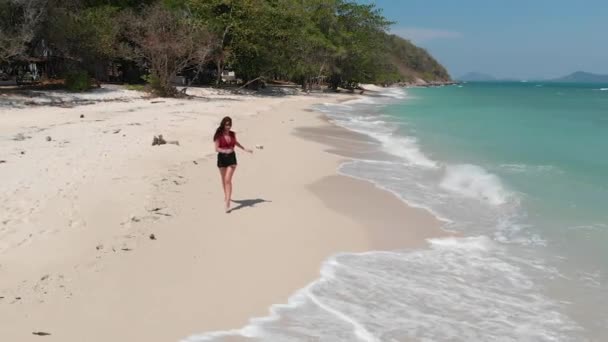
(220, 130)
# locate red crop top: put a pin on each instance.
(227, 144)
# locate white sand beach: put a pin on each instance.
(104, 237)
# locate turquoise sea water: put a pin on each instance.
(548, 142)
(518, 170)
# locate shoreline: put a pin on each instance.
(205, 270)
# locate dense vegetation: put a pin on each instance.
(335, 42)
(413, 62)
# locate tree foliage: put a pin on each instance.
(412, 61)
(19, 22)
(166, 41)
(342, 42)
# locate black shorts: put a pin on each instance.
(226, 159)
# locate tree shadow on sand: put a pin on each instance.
(247, 203)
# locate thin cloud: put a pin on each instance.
(419, 35)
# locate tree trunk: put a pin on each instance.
(220, 60)
(334, 82)
(220, 69)
(253, 80)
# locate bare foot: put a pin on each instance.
(227, 207)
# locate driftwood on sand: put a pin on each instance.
(159, 140)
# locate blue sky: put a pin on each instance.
(524, 39)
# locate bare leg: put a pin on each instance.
(228, 185)
(223, 176)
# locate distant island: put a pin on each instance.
(476, 77)
(575, 77)
(582, 77)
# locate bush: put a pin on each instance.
(136, 87)
(153, 82)
(78, 81)
(156, 86)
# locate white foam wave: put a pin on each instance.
(593, 226)
(460, 289)
(347, 169)
(325, 107)
(591, 279)
(421, 188)
(363, 100)
(380, 130)
(523, 168)
(396, 93)
(475, 243)
(475, 182)
(384, 132)
(317, 313)
(405, 147)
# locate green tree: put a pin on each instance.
(19, 22)
(412, 61)
(359, 36)
(311, 49)
(166, 41)
(304, 41)
(87, 38)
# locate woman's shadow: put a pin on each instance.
(247, 203)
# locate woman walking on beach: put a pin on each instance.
(225, 141)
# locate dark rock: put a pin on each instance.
(161, 141)
(152, 237)
(195, 162)
(21, 137)
(48, 138)
(40, 333)
(82, 116)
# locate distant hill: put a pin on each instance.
(476, 77)
(582, 77)
(412, 62)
